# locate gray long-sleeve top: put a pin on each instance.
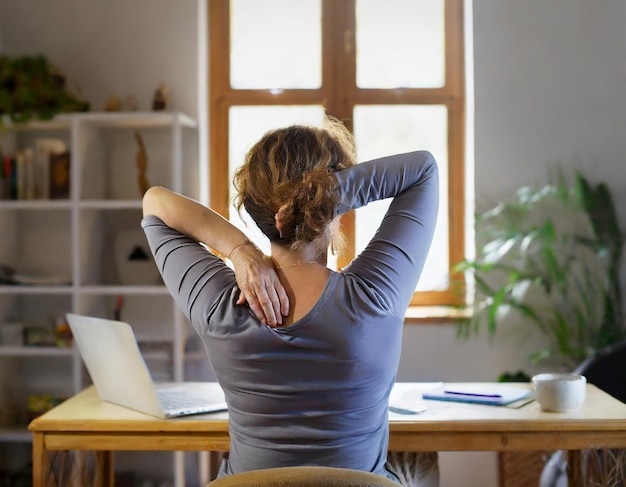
(315, 392)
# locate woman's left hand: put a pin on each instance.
(259, 285)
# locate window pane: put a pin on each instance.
(247, 124)
(275, 44)
(400, 44)
(382, 130)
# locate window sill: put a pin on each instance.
(417, 315)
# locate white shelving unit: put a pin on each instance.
(76, 241)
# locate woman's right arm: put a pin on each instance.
(255, 274)
(393, 260)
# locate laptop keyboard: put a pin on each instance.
(171, 400)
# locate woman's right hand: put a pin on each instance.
(259, 284)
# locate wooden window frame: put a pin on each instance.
(339, 70)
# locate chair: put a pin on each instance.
(607, 371)
(305, 476)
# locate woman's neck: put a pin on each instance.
(284, 257)
(304, 275)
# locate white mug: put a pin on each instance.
(559, 392)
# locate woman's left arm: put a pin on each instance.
(254, 271)
(393, 260)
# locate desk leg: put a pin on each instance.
(215, 461)
(574, 468)
(40, 460)
(104, 475)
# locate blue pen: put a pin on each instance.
(473, 394)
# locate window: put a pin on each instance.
(392, 71)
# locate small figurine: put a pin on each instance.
(142, 164)
(160, 100)
(113, 104)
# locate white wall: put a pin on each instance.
(112, 47)
(550, 88)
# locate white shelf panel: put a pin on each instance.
(33, 351)
(109, 119)
(114, 290)
(131, 119)
(110, 204)
(22, 289)
(161, 356)
(36, 205)
(56, 123)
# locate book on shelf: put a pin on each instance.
(59, 183)
(39, 173)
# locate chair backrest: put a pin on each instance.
(607, 370)
(305, 476)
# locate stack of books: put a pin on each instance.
(42, 172)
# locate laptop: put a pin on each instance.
(120, 375)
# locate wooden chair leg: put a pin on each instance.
(574, 469)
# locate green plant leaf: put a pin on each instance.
(31, 88)
(528, 251)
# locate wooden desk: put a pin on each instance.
(86, 423)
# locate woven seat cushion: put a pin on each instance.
(304, 477)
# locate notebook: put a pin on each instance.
(490, 394)
(120, 375)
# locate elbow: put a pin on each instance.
(431, 162)
(152, 201)
(432, 167)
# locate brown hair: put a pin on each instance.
(291, 169)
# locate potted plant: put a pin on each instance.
(550, 258)
(31, 88)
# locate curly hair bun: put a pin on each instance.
(291, 170)
(308, 206)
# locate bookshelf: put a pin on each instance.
(72, 254)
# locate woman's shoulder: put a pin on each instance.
(359, 295)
